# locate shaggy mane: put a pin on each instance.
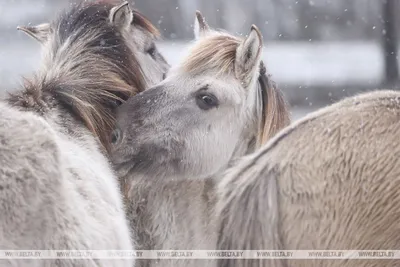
(217, 52)
(93, 69)
(143, 22)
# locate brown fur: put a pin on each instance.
(276, 109)
(140, 20)
(330, 181)
(89, 79)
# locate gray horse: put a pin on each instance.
(140, 38)
(217, 105)
(57, 187)
(329, 181)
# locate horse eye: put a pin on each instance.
(206, 101)
(115, 136)
(151, 50)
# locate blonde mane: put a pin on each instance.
(216, 51)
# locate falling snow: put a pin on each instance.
(308, 43)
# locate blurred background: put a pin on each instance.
(318, 51)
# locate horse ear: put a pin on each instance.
(40, 32)
(121, 15)
(200, 25)
(248, 57)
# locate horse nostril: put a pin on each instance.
(115, 135)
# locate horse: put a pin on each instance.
(328, 182)
(216, 105)
(57, 186)
(140, 37)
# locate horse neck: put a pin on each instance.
(150, 176)
(68, 128)
(165, 175)
(244, 145)
(72, 131)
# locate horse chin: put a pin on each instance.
(155, 162)
(142, 154)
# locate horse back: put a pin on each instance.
(339, 177)
(50, 199)
(328, 182)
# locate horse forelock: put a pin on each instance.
(93, 69)
(215, 52)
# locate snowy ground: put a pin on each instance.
(305, 71)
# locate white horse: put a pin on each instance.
(217, 105)
(57, 187)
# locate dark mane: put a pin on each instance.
(90, 14)
(141, 21)
(93, 68)
(275, 114)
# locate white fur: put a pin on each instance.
(53, 189)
